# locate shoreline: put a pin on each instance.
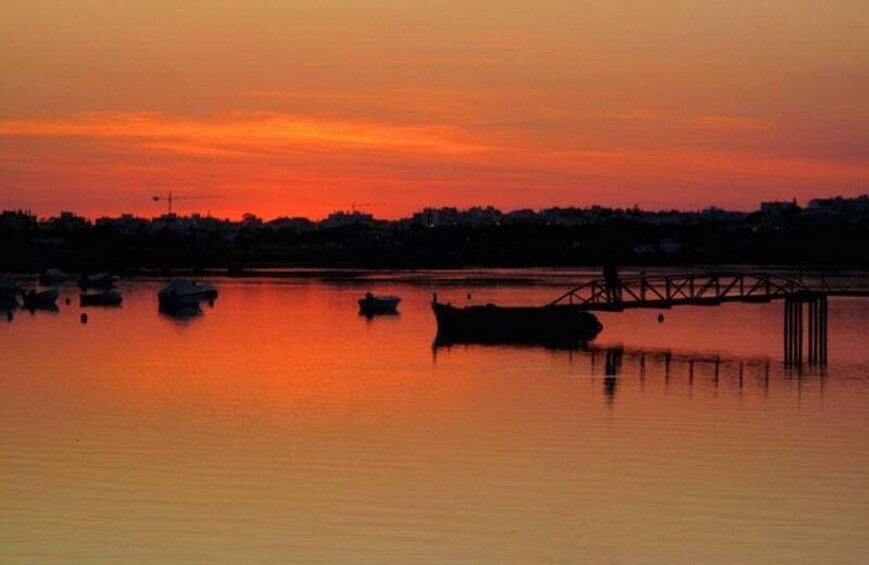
(470, 275)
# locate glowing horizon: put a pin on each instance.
(289, 109)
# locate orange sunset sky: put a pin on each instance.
(285, 107)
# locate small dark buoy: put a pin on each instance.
(84, 318)
(660, 318)
(9, 316)
(469, 296)
(68, 301)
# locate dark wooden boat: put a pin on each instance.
(105, 298)
(40, 299)
(371, 304)
(545, 325)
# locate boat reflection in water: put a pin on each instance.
(612, 364)
(181, 312)
(370, 316)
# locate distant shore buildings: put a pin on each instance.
(835, 209)
(824, 230)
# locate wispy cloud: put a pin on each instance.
(250, 134)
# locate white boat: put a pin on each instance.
(180, 292)
(209, 291)
(98, 280)
(52, 277)
(371, 304)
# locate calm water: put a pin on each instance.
(280, 426)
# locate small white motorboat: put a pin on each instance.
(209, 291)
(98, 280)
(180, 292)
(52, 277)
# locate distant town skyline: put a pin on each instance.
(285, 107)
(183, 209)
(854, 207)
(833, 230)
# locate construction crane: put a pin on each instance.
(170, 198)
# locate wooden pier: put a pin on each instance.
(805, 327)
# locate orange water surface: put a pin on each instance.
(281, 426)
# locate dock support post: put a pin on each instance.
(810, 335)
(822, 330)
(786, 332)
(814, 328)
(799, 336)
(790, 324)
(793, 332)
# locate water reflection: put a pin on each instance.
(611, 371)
(370, 316)
(278, 424)
(47, 308)
(181, 312)
(689, 370)
(670, 369)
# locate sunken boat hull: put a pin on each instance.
(547, 325)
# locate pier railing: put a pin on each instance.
(616, 295)
(679, 290)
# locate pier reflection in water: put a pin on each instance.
(613, 364)
(281, 426)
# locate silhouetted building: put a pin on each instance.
(342, 219)
(775, 212)
(840, 209)
(69, 222)
(21, 220)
